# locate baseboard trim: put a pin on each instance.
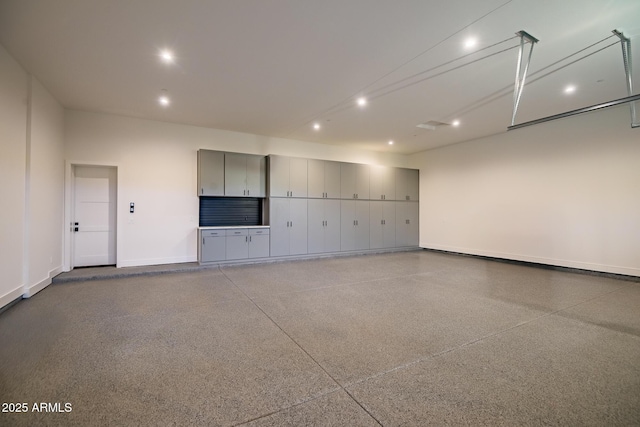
(37, 287)
(543, 265)
(10, 298)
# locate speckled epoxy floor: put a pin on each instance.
(413, 338)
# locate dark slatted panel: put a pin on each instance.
(224, 211)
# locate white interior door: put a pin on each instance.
(94, 216)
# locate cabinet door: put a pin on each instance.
(375, 182)
(362, 225)
(258, 243)
(362, 181)
(402, 225)
(389, 224)
(332, 180)
(278, 176)
(413, 214)
(213, 249)
(348, 225)
(375, 224)
(413, 184)
(256, 176)
(332, 226)
(298, 228)
(347, 181)
(389, 183)
(238, 245)
(315, 226)
(280, 230)
(235, 174)
(402, 190)
(210, 173)
(298, 177)
(315, 175)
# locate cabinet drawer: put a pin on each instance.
(213, 233)
(237, 232)
(258, 231)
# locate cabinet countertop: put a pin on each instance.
(227, 227)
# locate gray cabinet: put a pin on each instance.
(407, 231)
(382, 183)
(323, 227)
(210, 173)
(382, 224)
(212, 245)
(245, 175)
(229, 244)
(354, 181)
(407, 182)
(288, 222)
(354, 225)
(287, 177)
(237, 243)
(323, 179)
(258, 242)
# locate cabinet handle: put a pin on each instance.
(203, 241)
(292, 223)
(357, 222)
(246, 239)
(381, 222)
(202, 191)
(354, 222)
(354, 195)
(249, 238)
(247, 192)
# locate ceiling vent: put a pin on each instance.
(432, 125)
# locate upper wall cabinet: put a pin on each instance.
(407, 181)
(323, 179)
(244, 175)
(354, 181)
(287, 177)
(382, 183)
(210, 173)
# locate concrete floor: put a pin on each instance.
(415, 338)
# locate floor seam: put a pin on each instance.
(461, 346)
(302, 349)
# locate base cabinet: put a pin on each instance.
(212, 246)
(323, 226)
(382, 225)
(233, 244)
(288, 226)
(407, 232)
(354, 228)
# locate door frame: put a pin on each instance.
(69, 194)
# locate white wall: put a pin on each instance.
(13, 127)
(157, 170)
(31, 183)
(45, 177)
(565, 192)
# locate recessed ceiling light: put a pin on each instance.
(390, 142)
(569, 89)
(167, 56)
(455, 123)
(362, 101)
(316, 126)
(164, 99)
(470, 42)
